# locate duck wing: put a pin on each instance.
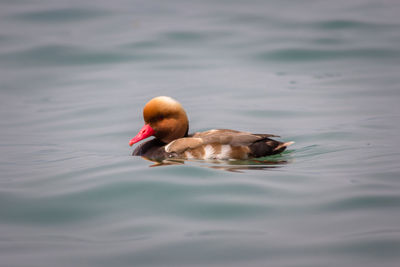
(220, 136)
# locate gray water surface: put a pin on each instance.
(74, 77)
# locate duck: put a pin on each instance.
(166, 120)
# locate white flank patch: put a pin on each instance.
(225, 152)
(283, 145)
(209, 152)
(166, 148)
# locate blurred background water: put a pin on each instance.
(75, 75)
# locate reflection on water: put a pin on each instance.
(229, 165)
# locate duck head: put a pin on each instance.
(165, 119)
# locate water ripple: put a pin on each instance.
(345, 24)
(61, 15)
(305, 54)
(64, 55)
(366, 202)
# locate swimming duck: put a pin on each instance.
(166, 120)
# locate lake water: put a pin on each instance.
(75, 75)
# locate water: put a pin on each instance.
(75, 76)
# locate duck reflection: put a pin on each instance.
(226, 165)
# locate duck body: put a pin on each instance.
(167, 121)
(221, 144)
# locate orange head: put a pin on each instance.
(165, 119)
